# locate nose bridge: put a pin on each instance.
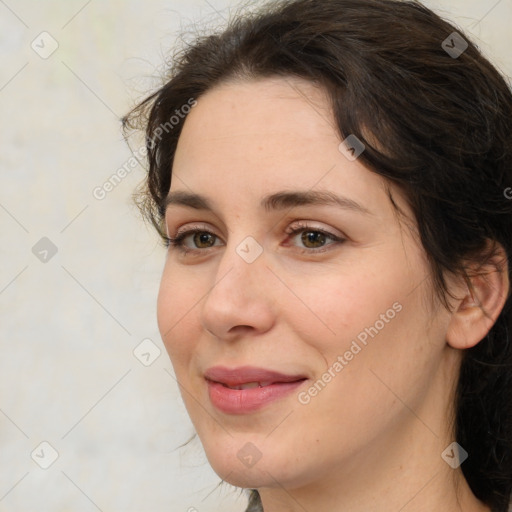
(237, 295)
(242, 260)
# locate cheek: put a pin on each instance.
(340, 305)
(375, 319)
(384, 342)
(175, 314)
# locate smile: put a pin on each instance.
(246, 389)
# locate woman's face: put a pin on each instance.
(339, 309)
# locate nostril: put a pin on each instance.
(242, 328)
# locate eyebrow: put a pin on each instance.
(278, 201)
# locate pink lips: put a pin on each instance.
(259, 387)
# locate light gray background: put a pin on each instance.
(69, 326)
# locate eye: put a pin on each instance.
(201, 238)
(313, 238)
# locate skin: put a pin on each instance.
(372, 438)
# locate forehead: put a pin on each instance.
(264, 115)
(246, 139)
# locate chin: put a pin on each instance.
(253, 478)
(244, 461)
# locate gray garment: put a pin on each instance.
(256, 506)
(254, 502)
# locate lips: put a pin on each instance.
(248, 376)
(247, 389)
(249, 385)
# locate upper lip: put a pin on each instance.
(246, 374)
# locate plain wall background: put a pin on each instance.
(69, 325)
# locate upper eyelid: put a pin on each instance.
(198, 227)
(306, 226)
(290, 231)
(299, 225)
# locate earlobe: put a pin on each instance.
(478, 310)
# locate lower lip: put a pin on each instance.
(240, 401)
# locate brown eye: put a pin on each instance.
(203, 237)
(315, 238)
(201, 240)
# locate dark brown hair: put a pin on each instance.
(436, 125)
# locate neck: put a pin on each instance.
(400, 470)
(434, 494)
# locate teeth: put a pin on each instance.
(248, 385)
(251, 385)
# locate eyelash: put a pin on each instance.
(177, 241)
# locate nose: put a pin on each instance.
(239, 301)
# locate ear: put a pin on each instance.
(482, 301)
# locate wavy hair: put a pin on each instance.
(438, 126)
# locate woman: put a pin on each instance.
(330, 178)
